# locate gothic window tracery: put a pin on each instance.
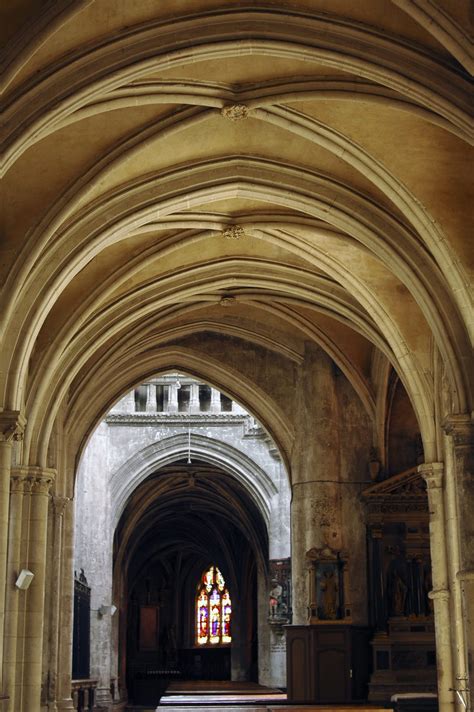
(213, 609)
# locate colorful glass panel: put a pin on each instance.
(213, 610)
(202, 618)
(226, 613)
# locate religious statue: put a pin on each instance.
(399, 595)
(275, 598)
(329, 595)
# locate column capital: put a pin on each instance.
(41, 479)
(461, 429)
(18, 479)
(60, 504)
(439, 594)
(12, 426)
(433, 474)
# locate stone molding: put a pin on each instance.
(235, 112)
(12, 426)
(466, 575)
(461, 429)
(32, 480)
(60, 504)
(175, 418)
(433, 474)
(439, 594)
(42, 484)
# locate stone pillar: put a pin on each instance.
(64, 670)
(215, 401)
(18, 479)
(194, 406)
(173, 398)
(12, 425)
(150, 406)
(315, 506)
(42, 480)
(58, 508)
(460, 429)
(432, 473)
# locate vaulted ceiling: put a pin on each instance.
(256, 174)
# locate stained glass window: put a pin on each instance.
(213, 609)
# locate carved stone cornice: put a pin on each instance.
(235, 112)
(12, 426)
(433, 474)
(399, 494)
(461, 429)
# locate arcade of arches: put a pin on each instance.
(271, 200)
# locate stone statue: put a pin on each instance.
(329, 592)
(275, 598)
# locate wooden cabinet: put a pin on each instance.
(327, 663)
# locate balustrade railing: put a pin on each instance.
(83, 693)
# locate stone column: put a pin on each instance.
(460, 429)
(315, 506)
(215, 401)
(58, 508)
(173, 398)
(64, 670)
(12, 425)
(18, 479)
(150, 406)
(42, 480)
(194, 406)
(432, 473)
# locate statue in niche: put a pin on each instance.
(275, 598)
(329, 595)
(399, 595)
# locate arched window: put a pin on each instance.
(213, 609)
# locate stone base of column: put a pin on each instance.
(103, 699)
(62, 705)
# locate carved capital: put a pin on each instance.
(41, 480)
(440, 594)
(18, 480)
(235, 112)
(461, 429)
(12, 426)
(235, 232)
(60, 504)
(432, 473)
